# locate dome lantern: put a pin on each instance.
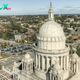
(50, 13)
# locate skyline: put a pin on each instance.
(30, 7)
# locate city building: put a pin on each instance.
(78, 30)
(19, 36)
(0, 26)
(0, 54)
(74, 37)
(51, 56)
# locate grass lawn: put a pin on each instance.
(5, 55)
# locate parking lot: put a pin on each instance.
(8, 63)
(16, 49)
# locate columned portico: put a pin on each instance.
(27, 64)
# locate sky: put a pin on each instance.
(35, 7)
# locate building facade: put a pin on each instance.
(19, 36)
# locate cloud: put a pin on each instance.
(71, 6)
(47, 6)
(41, 9)
(68, 9)
(78, 7)
(68, 6)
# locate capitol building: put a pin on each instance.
(51, 55)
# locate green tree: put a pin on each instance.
(78, 50)
(22, 41)
(33, 38)
(5, 44)
(2, 44)
(8, 43)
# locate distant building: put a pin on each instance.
(74, 37)
(30, 26)
(20, 36)
(0, 54)
(70, 19)
(15, 31)
(78, 29)
(59, 15)
(8, 22)
(4, 30)
(0, 26)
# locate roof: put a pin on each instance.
(56, 69)
(74, 35)
(28, 58)
(19, 34)
(4, 75)
(51, 29)
(75, 56)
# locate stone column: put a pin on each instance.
(42, 62)
(40, 43)
(61, 62)
(64, 62)
(22, 65)
(26, 67)
(53, 77)
(39, 61)
(61, 78)
(73, 67)
(30, 67)
(67, 62)
(51, 60)
(47, 63)
(50, 75)
(76, 67)
(36, 60)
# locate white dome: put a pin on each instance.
(51, 29)
(75, 56)
(51, 36)
(56, 69)
(27, 56)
